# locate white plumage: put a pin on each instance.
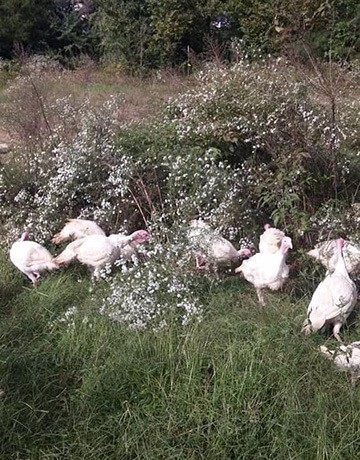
(77, 228)
(327, 255)
(129, 246)
(31, 258)
(333, 299)
(211, 249)
(96, 251)
(270, 240)
(267, 270)
(346, 358)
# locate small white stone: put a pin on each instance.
(4, 148)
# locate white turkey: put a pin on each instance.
(96, 251)
(80, 228)
(270, 240)
(346, 358)
(77, 228)
(31, 258)
(211, 249)
(326, 254)
(267, 270)
(333, 299)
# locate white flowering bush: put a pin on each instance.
(157, 291)
(248, 143)
(94, 174)
(294, 148)
(66, 176)
(152, 291)
(333, 218)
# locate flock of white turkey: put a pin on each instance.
(90, 247)
(331, 303)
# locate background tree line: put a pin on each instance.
(139, 34)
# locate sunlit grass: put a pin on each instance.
(243, 383)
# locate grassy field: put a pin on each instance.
(21, 104)
(241, 384)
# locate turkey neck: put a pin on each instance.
(283, 249)
(25, 236)
(340, 264)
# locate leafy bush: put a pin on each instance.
(252, 142)
(294, 147)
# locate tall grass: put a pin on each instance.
(241, 384)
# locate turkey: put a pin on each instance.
(80, 228)
(333, 299)
(96, 251)
(326, 254)
(31, 258)
(270, 240)
(77, 228)
(211, 249)
(346, 358)
(267, 270)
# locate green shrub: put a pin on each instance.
(293, 150)
(252, 142)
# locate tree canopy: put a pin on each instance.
(158, 33)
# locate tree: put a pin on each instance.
(72, 32)
(123, 28)
(26, 23)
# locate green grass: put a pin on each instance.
(243, 384)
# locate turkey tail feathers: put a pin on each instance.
(65, 257)
(68, 255)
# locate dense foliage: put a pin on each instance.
(274, 142)
(140, 35)
(24, 24)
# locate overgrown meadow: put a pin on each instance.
(157, 360)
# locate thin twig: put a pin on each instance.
(41, 104)
(138, 205)
(141, 184)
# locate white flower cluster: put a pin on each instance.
(74, 174)
(69, 317)
(150, 294)
(283, 137)
(332, 219)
